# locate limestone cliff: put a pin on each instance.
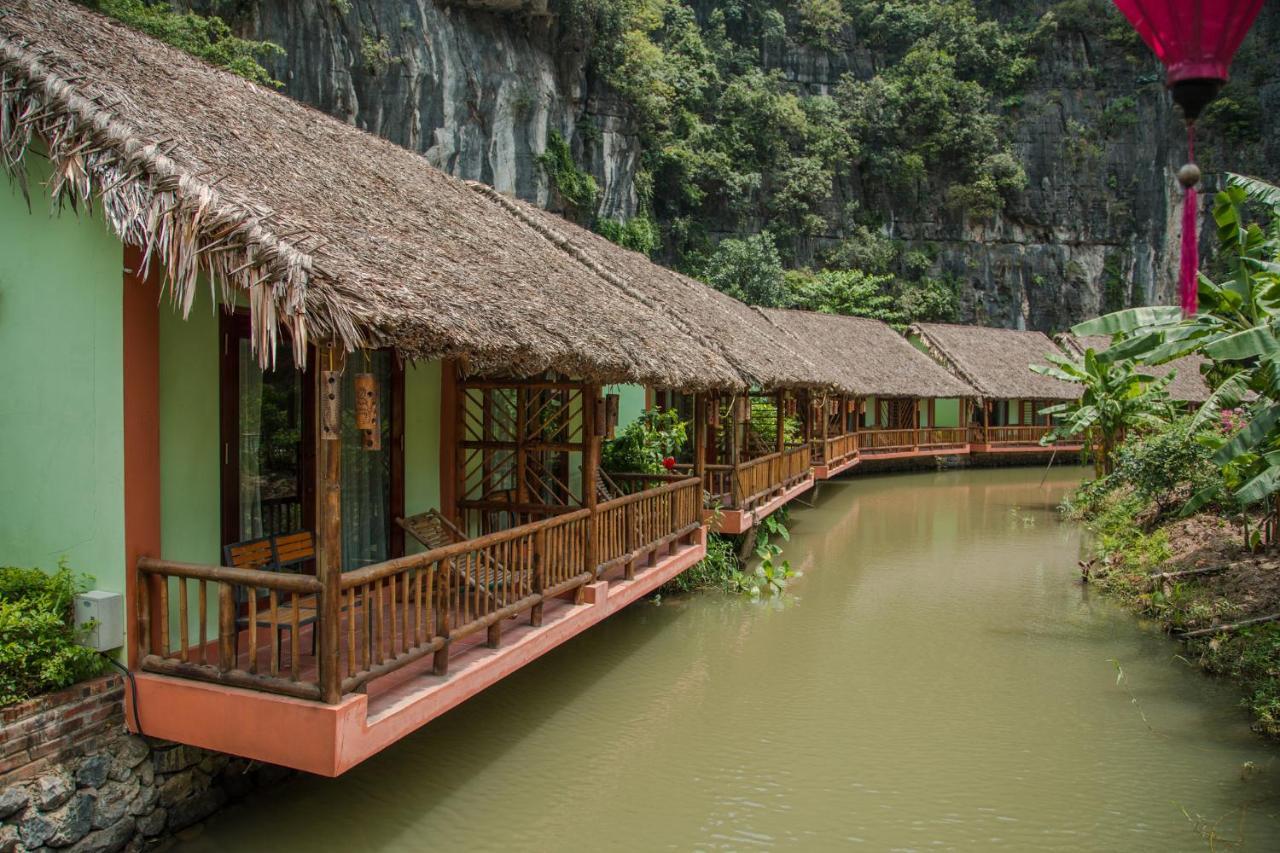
(478, 86)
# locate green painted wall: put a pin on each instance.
(61, 410)
(947, 413)
(630, 402)
(421, 441)
(190, 513)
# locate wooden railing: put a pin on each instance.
(377, 619)
(934, 437)
(886, 440)
(1008, 435)
(638, 526)
(796, 462)
(756, 479)
(291, 604)
(717, 482)
(834, 449)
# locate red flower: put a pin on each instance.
(669, 462)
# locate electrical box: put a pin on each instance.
(104, 611)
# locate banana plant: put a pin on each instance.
(1115, 398)
(1237, 329)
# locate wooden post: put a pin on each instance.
(459, 453)
(591, 407)
(826, 425)
(522, 455)
(329, 557)
(700, 403)
(734, 492)
(780, 426)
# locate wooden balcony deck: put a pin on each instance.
(412, 637)
(755, 489)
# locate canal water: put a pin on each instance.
(937, 679)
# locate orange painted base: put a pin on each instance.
(919, 453)
(826, 472)
(734, 521)
(1024, 448)
(331, 739)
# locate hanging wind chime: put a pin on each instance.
(1195, 39)
(367, 421)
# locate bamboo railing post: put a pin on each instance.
(629, 539)
(226, 626)
(444, 579)
(144, 616)
(539, 574)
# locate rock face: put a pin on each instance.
(477, 92)
(72, 778)
(1095, 229)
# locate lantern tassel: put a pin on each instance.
(1190, 252)
(1187, 284)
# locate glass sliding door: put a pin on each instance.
(267, 435)
(269, 450)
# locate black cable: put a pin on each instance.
(133, 688)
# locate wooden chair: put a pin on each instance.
(434, 531)
(606, 488)
(274, 554)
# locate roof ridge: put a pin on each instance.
(566, 245)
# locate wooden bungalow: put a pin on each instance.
(748, 445)
(891, 400)
(1188, 385)
(996, 363)
(327, 418)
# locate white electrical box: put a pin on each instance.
(104, 611)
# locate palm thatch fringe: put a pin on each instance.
(149, 201)
(331, 232)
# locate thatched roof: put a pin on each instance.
(870, 357)
(1187, 386)
(758, 350)
(332, 233)
(997, 362)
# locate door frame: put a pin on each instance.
(234, 326)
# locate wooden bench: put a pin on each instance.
(282, 552)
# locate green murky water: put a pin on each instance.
(936, 680)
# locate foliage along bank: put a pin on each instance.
(1188, 514)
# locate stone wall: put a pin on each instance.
(72, 777)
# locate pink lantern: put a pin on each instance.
(1195, 39)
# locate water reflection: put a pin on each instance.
(936, 679)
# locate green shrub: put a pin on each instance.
(576, 188)
(1166, 467)
(720, 569)
(642, 444)
(208, 38)
(639, 234)
(38, 649)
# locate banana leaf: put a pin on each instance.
(1129, 320)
